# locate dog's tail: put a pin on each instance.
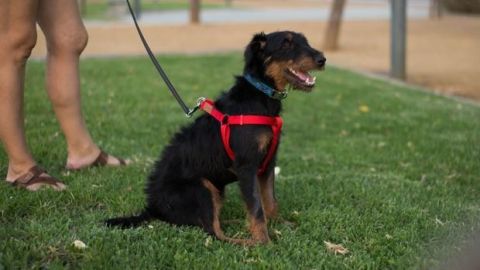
(131, 221)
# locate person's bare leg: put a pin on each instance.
(17, 39)
(66, 38)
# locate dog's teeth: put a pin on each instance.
(310, 81)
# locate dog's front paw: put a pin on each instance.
(260, 233)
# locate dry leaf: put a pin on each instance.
(277, 170)
(208, 241)
(363, 108)
(79, 244)
(335, 248)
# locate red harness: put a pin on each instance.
(227, 120)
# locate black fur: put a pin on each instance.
(175, 190)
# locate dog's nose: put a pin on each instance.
(320, 60)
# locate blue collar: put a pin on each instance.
(262, 87)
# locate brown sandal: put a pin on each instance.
(34, 176)
(100, 161)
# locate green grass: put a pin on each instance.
(99, 10)
(397, 185)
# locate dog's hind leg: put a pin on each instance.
(211, 222)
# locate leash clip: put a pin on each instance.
(200, 100)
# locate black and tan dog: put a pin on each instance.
(186, 186)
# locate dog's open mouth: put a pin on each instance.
(299, 79)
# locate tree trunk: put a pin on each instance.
(195, 11)
(435, 9)
(398, 32)
(333, 28)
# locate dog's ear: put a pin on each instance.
(255, 49)
(258, 43)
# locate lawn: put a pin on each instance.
(390, 173)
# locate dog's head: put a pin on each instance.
(283, 58)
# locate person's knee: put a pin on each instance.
(72, 43)
(18, 45)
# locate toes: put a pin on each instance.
(114, 161)
(37, 186)
(59, 186)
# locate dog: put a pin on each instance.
(186, 185)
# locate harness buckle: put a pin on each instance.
(200, 100)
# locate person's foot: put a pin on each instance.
(34, 179)
(94, 158)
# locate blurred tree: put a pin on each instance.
(333, 27)
(436, 9)
(116, 8)
(462, 6)
(398, 39)
(195, 11)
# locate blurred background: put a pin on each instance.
(442, 37)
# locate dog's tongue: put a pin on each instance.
(304, 76)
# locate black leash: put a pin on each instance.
(188, 112)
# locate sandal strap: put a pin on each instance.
(43, 179)
(122, 161)
(33, 173)
(33, 177)
(102, 160)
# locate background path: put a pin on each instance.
(442, 54)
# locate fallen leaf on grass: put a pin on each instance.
(208, 241)
(364, 108)
(277, 170)
(335, 248)
(79, 244)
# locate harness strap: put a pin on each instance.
(227, 120)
